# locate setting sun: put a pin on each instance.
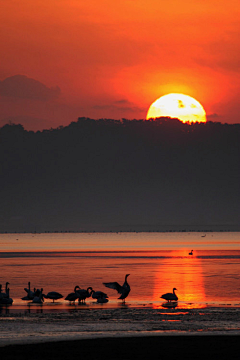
(183, 107)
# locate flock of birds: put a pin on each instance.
(37, 296)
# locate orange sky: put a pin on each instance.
(113, 59)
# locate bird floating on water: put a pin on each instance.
(191, 253)
(124, 290)
(53, 295)
(102, 300)
(170, 296)
(100, 296)
(38, 299)
(4, 297)
(30, 294)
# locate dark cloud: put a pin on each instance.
(119, 105)
(214, 117)
(21, 86)
(122, 102)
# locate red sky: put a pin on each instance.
(113, 59)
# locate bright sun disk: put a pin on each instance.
(183, 107)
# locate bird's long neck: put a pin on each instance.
(174, 291)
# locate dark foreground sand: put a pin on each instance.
(152, 347)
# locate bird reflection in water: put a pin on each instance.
(170, 305)
(4, 309)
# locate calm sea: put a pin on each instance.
(156, 262)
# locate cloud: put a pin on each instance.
(21, 86)
(122, 102)
(214, 117)
(119, 105)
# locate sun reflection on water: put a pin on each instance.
(183, 272)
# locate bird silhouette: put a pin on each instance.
(30, 294)
(170, 296)
(73, 295)
(53, 295)
(4, 297)
(100, 296)
(83, 294)
(38, 299)
(124, 290)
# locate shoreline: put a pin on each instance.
(167, 229)
(87, 324)
(19, 306)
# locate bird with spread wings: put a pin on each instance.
(124, 290)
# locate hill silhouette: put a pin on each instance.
(120, 175)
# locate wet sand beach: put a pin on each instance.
(122, 333)
(157, 347)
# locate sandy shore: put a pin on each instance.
(156, 347)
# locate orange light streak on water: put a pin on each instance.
(183, 272)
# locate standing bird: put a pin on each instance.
(83, 294)
(170, 296)
(124, 290)
(73, 295)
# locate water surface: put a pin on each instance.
(207, 282)
(157, 262)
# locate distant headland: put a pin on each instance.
(120, 175)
